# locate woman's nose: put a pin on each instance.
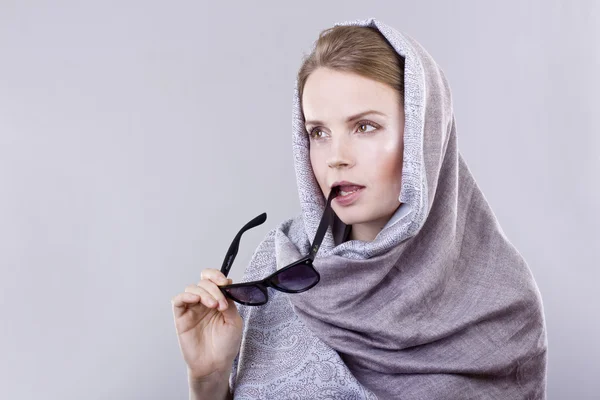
(341, 154)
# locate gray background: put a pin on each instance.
(137, 137)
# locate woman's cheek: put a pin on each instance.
(318, 164)
(384, 163)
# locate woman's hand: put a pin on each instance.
(209, 327)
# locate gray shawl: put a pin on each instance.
(440, 305)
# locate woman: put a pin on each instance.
(421, 294)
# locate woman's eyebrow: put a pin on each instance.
(349, 119)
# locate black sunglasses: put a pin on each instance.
(296, 277)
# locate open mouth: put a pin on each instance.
(348, 192)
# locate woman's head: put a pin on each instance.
(353, 70)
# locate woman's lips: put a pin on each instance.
(348, 194)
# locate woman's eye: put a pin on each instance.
(314, 134)
(365, 124)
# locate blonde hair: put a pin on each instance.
(358, 49)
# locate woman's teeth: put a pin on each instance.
(345, 193)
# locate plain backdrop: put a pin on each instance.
(137, 137)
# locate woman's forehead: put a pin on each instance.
(336, 97)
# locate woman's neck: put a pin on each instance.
(367, 232)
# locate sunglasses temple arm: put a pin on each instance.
(323, 225)
(235, 244)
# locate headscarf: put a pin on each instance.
(440, 305)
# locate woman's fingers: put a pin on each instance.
(206, 292)
(207, 299)
(214, 275)
(181, 301)
(210, 278)
(215, 292)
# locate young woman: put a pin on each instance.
(419, 294)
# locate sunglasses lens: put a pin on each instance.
(247, 294)
(298, 277)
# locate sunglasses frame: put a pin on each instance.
(265, 283)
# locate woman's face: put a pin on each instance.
(356, 130)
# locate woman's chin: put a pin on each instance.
(351, 217)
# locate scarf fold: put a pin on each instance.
(440, 305)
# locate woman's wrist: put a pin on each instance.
(215, 386)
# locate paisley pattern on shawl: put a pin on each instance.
(280, 358)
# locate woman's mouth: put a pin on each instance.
(348, 194)
(345, 190)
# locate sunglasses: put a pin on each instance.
(296, 277)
